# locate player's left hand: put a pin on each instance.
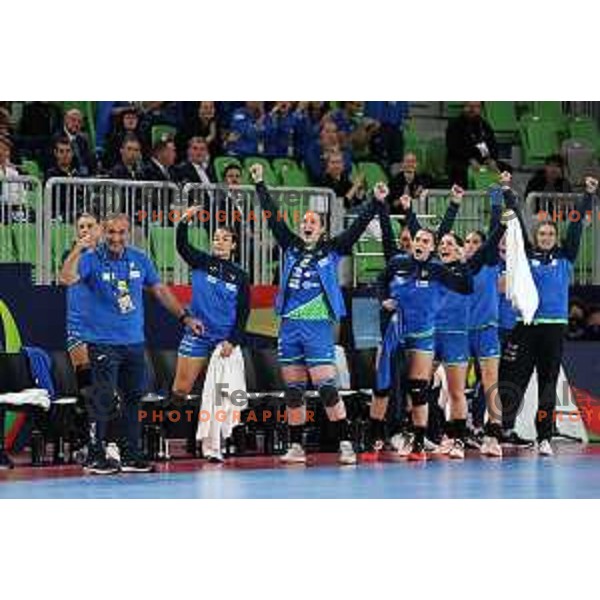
(226, 349)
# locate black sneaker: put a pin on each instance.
(5, 462)
(514, 439)
(100, 465)
(135, 463)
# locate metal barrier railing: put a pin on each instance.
(561, 208)
(21, 221)
(155, 208)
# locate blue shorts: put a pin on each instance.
(74, 339)
(419, 343)
(484, 343)
(194, 346)
(305, 342)
(392, 341)
(452, 347)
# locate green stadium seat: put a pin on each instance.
(268, 173)
(160, 132)
(162, 247)
(26, 242)
(435, 158)
(289, 173)
(482, 179)
(584, 129)
(368, 268)
(454, 108)
(31, 168)
(411, 138)
(373, 173)
(502, 117)
(549, 111)
(539, 139)
(222, 162)
(7, 247)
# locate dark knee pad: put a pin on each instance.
(418, 390)
(294, 397)
(329, 394)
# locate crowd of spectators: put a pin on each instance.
(326, 138)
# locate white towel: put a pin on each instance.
(520, 287)
(216, 401)
(32, 397)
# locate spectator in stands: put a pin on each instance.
(114, 275)
(318, 150)
(202, 125)
(5, 122)
(246, 132)
(388, 144)
(309, 117)
(130, 165)
(232, 175)
(39, 122)
(197, 168)
(160, 165)
(12, 195)
(352, 192)
(127, 124)
(408, 182)
(83, 160)
(7, 169)
(470, 142)
(63, 159)
(280, 128)
(549, 179)
(355, 130)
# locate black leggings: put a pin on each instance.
(530, 347)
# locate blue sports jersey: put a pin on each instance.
(303, 285)
(109, 280)
(552, 275)
(483, 302)
(453, 311)
(507, 315)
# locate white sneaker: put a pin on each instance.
(112, 452)
(430, 446)
(491, 447)
(444, 447)
(347, 456)
(405, 444)
(295, 454)
(544, 448)
(458, 450)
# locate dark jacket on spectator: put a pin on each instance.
(399, 186)
(340, 188)
(186, 173)
(120, 171)
(152, 172)
(538, 183)
(83, 159)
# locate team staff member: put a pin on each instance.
(540, 346)
(310, 302)
(115, 275)
(220, 300)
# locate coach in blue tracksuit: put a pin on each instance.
(115, 275)
(310, 301)
(540, 346)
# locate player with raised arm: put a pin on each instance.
(310, 302)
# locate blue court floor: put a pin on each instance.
(570, 474)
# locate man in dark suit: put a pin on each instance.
(160, 165)
(197, 168)
(83, 161)
(129, 167)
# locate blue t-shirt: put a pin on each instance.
(77, 305)
(452, 315)
(116, 301)
(483, 302)
(507, 315)
(304, 284)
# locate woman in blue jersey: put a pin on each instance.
(484, 343)
(539, 346)
(89, 233)
(220, 301)
(310, 302)
(392, 326)
(412, 285)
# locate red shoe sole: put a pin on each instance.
(370, 457)
(417, 456)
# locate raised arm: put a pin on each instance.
(451, 211)
(488, 253)
(69, 272)
(512, 203)
(454, 277)
(575, 229)
(196, 259)
(390, 247)
(282, 233)
(343, 242)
